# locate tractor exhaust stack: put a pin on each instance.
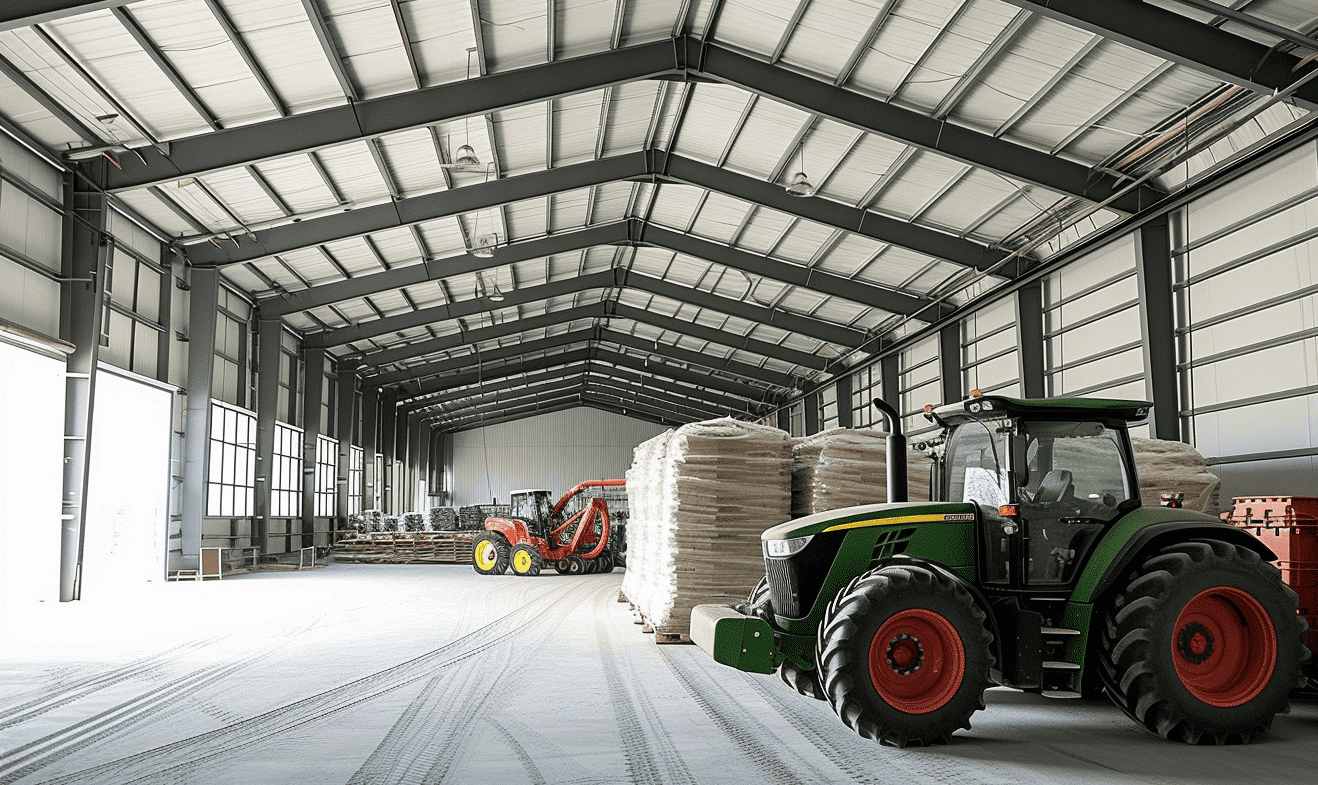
(897, 491)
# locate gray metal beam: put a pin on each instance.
(633, 232)
(83, 298)
(1029, 340)
(812, 413)
(312, 392)
(413, 394)
(203, 309)
(166, 67)
(522, 413)
(737, 369)
(651, 165)
(56, 109)
(268, 357)
(949, 362)
(687, 56)
(844, 419)
(1180, 39)
(1158, 328)
(599, 310)
(547, 404)
(388, 445)
(370, 443)
(374, 117)
(25, 13)
(345, 417)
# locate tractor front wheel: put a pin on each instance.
(489, 554)
(803, 681)
(605, 560)
(903, 656)
(525, 560)
(575, 565)
(1203, 645)
(563, 567)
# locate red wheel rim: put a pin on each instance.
(917, 661)
(1224, 647)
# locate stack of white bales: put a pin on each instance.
(1175, 467)
(704, 495)
(842, 467)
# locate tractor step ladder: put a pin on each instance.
(1060, 678)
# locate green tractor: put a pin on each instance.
(1034, 568)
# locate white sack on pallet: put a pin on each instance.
(844, 467)
(1175, 467)
(717, 486)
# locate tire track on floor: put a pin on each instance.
(80, 688)
(750, 736)
(650, 756)
(162, 762)
(34, 755)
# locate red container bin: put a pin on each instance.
(1289, 526)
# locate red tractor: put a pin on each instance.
(534, 534)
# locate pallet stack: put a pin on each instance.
(842, 467)
(699, 498)
(405, 548)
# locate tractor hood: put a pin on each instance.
(870, 515)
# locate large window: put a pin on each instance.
(327, 466)
(865, 387)
(230, 483)
(286, 484)
(356, 458)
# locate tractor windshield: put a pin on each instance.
(1078, 467)
(976, 468)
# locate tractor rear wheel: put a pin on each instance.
(1204, 644)
(525, 560)
(575, 565)
(903, 656)
(563, 567)
(605, 560)
(489, 554)
(591, 566)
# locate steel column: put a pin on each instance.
(949, 362)
(370, 444)
(203, 310)
(312, 392)
(890, 383)
(812, 413)
(82, 311)
(1029, 340)
(388, 440)
(844, 400)
(785, 419)
(1158, 328)
(345, 418)
(269, 335)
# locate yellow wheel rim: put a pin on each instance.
(521, 561)
(486, 555)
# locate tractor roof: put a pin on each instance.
(996, 406)
(533, 490)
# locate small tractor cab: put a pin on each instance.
(1034, 567)
(536, 533)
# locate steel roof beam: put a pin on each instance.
(437, 367)
(563, 404)
(656, 364)
(56, 109)
(653, 165)
(687, 56)
(599, 310)
(1184, 41)
(25, 13)
(582, 392)
(629, 232)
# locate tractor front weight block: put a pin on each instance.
(731, 638)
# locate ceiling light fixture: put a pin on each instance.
(800, 185)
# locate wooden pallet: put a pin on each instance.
(406, 548)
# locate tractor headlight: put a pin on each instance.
(781, 549)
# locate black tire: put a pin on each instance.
(803, 681)
(487, 563)
(575, 565)
(1203, 645)
(562, 567)
(914, 609)
(605, 562)
(592, 566)
(525, 560)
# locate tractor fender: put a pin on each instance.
(514, 531)
(1097, 580)
(978, 596)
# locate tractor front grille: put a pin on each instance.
(784, 589)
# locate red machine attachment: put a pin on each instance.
(1289, 526)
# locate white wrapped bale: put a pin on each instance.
(842, 467)
(720, 484)
(1175, 467)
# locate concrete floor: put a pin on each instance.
(426, 674)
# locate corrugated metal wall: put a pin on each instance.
(554, 451)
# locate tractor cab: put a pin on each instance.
(533, 507)
(1047, 477)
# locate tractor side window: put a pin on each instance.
(977, 465)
